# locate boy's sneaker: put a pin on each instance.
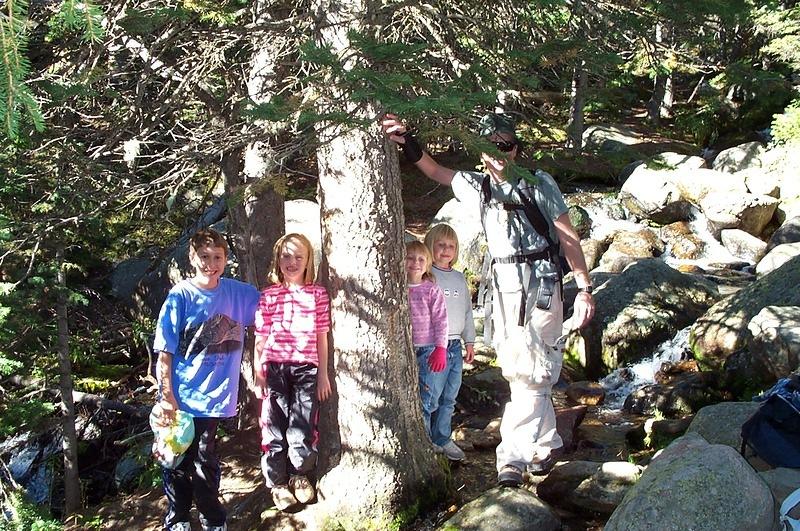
(451, 450)
(282, 497)
(510, 476)
(302, 488)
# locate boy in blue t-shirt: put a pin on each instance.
(199, 341)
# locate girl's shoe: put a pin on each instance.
(302, 488)
(452, 451)
(282, 497)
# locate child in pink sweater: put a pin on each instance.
(428, 323)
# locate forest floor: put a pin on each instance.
(249, 505)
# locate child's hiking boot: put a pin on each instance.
(302, 488)
(451, 451)
(510, 476)
(282, 497)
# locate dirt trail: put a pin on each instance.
(250, 507)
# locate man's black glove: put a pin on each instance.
(411, 148)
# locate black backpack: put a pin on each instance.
(773, 431)
(540, 224)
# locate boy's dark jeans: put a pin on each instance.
(288, 422)
(197, 476)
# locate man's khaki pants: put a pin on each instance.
(530, 359)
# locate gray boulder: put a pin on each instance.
(628, 247)
(466, 221)
(695, 485)
(686, 394)
(681, 241)
(782, 482)
(609, 138)
(788, 232)
(774, 342)
(695, 185)
(760, 182)
(589, 487)
(593, 250)
(737, 210)
(741, 157)
(506, 509)
(743, 245)
(788, 208)
(723, 328)
(722, 423)
(635, 312)
(776, 257)
(651, 194)
(670, 159)
(126, 276)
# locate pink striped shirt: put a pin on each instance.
(428, 315)
(290, 319)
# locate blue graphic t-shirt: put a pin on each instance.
(204, 331)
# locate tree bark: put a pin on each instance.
(375, 457)
(580, 80)
(72, 486)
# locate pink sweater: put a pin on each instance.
(290, 319)
(428, 315)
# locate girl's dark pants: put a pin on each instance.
(288, 422)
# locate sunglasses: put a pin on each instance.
(505, 146)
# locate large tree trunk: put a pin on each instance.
(577, 100)
(72, 486)
(375, 456)
(256, 221)
(660, 104)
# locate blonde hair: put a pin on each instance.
(442, 231)
(421, 248)
(275, 275)
(210, 238)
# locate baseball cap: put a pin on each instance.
(494, 123)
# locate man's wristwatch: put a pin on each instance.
(587, 289)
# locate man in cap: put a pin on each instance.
(527, 307)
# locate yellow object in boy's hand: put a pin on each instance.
(173, 439)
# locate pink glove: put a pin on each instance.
(437, 361)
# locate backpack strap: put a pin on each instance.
(787, 522)
(532, 212)
(539, 223)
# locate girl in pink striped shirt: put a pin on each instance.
(428, 322)
(291, 372)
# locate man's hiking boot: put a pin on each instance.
(180, 526)
(543, 467)
(451, 450)
(282, 497)
(302, 488)
(510, 476)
